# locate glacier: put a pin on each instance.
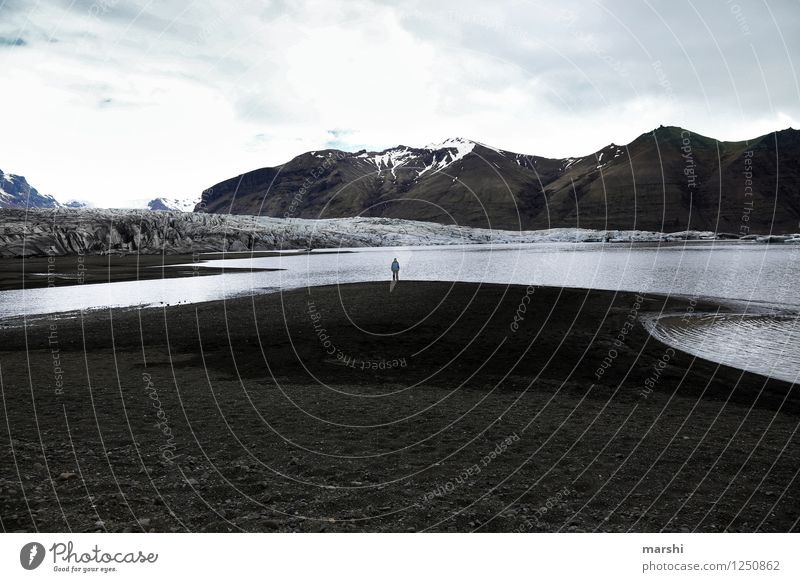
(98, 231)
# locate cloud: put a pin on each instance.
(136, 98)
(12, 41)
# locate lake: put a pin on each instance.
(758, 281)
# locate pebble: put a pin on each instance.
(66, 475)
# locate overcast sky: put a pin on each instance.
(115, 100)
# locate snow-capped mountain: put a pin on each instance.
(15, 192)
(434, 183)
(648, 184)
(77, 204)
(179, 204)
(445, 154)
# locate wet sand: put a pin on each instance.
(350, 408)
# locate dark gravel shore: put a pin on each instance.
(353, 408)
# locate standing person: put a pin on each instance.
(395, 270)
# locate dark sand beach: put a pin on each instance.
(353, 408)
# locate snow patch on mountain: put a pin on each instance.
(455, 149)
(15, 192)
(78, 204)
(176, 204)
(461, 145)
(444, 154)
(392, 159)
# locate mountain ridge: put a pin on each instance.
(668, 179)
(163, 204)
(15, 192)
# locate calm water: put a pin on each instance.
(758, 278)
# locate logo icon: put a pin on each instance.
(31, 555)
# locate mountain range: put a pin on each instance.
(179, 204)
(15, 192)
(669, 179)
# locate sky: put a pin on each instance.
(119, 101)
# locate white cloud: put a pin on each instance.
(110, 101)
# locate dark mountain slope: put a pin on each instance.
(15, 192)
(672, 179)
(667, 180)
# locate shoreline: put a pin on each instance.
(78, 269)
(261, 425)
(176, 268)
(34, 272)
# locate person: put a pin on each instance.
(395, 270)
